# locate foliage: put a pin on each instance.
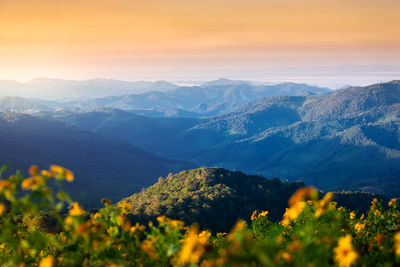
(313, 232)
(216, 198)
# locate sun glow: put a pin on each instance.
(83, 39)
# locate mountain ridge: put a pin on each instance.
(294, 137)
(103, 166)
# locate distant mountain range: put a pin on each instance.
(22, 105)
(347, 139)
(212, 98)
(344, 139)
(104, 167)
(57, 89)
(155, 99)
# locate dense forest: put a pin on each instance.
(216, 198)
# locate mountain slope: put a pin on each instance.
(104, 167)
(216, 198)
(212, 98)
(348, 139)
(22, 105)
(153, 133)
(213, 197)
(156, 99)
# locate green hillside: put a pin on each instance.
(216, 198)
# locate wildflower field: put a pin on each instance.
(41, 226)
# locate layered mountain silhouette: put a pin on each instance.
(211, 98)
(154, 99)
(104, 167)
(58, 89)
(348, 139)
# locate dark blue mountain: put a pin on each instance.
(103, 166)
(348, 139)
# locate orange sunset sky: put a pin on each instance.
(130, 39)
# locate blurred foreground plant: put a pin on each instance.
(41, 228)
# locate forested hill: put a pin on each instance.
(216, 198)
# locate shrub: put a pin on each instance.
(41, 228)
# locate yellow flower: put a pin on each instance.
(377, 212)
(137, 227)
(373, 203)
(327, 198)
(333, 204)
(254, 216)
(33, 170)
(362, 217)
(257, 215)
(47, 262)
(5, 184)
(324, 204)
(32, 182)
(392, 202)
(83, 228)
(359, 226)
(163, 220)
(177, 224)
(292, 213)
(124, 222)
(345, 255)
(303, 193)
(68, 220)
(221, 234)
(263, 214)
(47, 173)
(3, 208)
(125, 207)
(397, 243)
(239, 226)
(352, 215)
(297, 202)
(6, 188)
(204, 236)
(106, 202)
(193, 247)
(147, 246)
(283, 255)
(63, 172)
(76, 210)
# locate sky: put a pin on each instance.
(197, 40)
